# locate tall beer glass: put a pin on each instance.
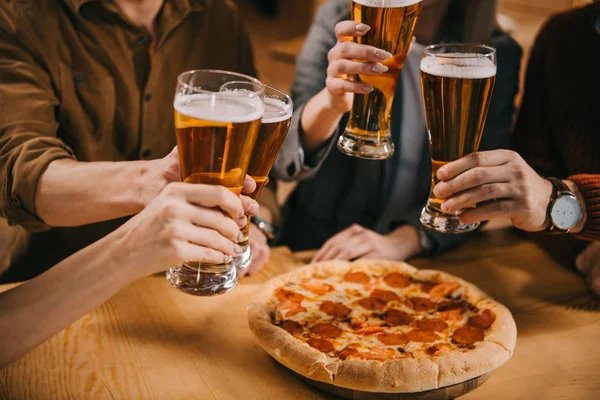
(217, 118)
(273, 131)
(458, 82)
(392, 23)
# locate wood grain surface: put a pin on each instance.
(153, 342)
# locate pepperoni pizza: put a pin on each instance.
(381, 326)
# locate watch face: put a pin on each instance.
(565, 212)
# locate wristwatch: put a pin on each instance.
(264, 227)
(564, 211)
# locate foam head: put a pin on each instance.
(276, 111)
(220, 108)
(387, 3)
(459, 65)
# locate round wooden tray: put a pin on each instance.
(445, 393)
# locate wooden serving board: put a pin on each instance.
(445, 393)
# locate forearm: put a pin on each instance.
(72, 193)
(35, 311)
(319, 121)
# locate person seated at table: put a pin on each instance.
(181, 223)
(86, 113)
(556, 135)
(352, 208)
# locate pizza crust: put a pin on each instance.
(402, 375)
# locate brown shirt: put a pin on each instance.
(78, 80)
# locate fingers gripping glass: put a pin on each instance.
(217, 118)
(458, 82)
(273, 131)
(392, 23)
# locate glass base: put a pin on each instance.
(218, 280)
(242, 261)
(370, 150)
(445, 223)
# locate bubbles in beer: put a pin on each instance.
(459, 65)
(228, 109)
(387, 3)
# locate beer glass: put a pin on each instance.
(392, 23)
(217, 118)
(458, 82)
(273, 131)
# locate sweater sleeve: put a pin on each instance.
(589, 186)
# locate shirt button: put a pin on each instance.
(142, 40)
(146, 153)
(148, 97)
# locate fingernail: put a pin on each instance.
(441, 174)
(252, 208)
(362, 28)
(241, 221)
(240, 236)
(379, 68)
(238, 249)
(383, 55)
(227, 259)
(367, 88)
(446, 208)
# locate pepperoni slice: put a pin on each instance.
(321, 344)
(371, 303)
(288, 296)
(291, 327)
(442, 290)
(295, 310)
(337, 310)
(317, 287)
(452, 315)
(392, 339)
(422, 335)
(396, 317)
(377, 354)
(396, 280)
(435, 325)
(385, 295)
(347, 352)
(327, 331)
(451, 305)
(420, 304)
(484, 320)
(467, 335)
(427, 286)
(367, 330)
(357, 277)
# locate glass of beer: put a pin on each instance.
(458, 82)
(392, 23)
(273, 131)
(217, 118)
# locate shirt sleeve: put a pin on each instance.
(589, 186)
(294, 163)
(28, 131)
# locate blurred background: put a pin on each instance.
(277, 29)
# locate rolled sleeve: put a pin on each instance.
(28, 132)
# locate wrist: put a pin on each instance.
(408, 239)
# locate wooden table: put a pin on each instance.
(153, 342)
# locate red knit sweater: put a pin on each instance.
(558, 129)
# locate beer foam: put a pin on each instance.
(387, 3)
(235, 108)
(276, 110)
(459, 65)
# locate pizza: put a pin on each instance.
(381, 326)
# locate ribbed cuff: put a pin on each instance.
(589, 186)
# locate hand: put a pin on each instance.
(588, 263)
(260, 250)
(343, 62)
(358, 242)
(502, 179)
(184, 223)
(157, 175)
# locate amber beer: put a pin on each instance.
(392, 23)
(217, 118)
(272, 134)
(457, 91)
